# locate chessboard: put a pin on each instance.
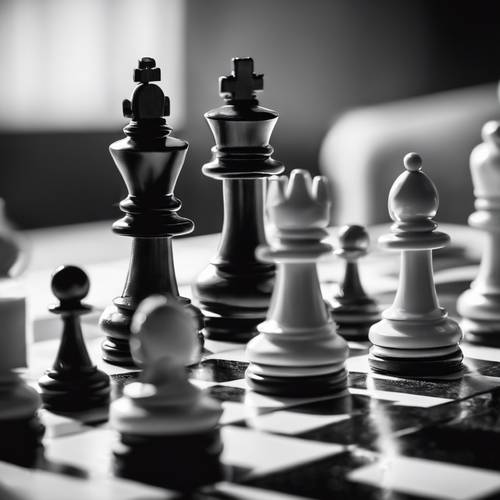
(383, 438)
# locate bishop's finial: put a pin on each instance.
(148, 101)
(242, 84)
(412, 162)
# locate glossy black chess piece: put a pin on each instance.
(74, 383)
(352, 309)
(235, 289)
(149, 160)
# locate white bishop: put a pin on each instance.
(415, 336)
(164, 402)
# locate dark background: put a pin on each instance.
(319, 58)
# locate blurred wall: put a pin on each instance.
(319, 58)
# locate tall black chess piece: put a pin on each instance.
(235, 289)
(149, 160)
(74, 383)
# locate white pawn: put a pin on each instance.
(480, 305)
(168, 427)
(298, 351)
(415, 337)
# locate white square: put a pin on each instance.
(265, 453)
(426, 478)
(401, 398)
(292, 423)
(58, 425)
(42, 485)
(91, 451)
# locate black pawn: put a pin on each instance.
(352, 309)
(74, 383)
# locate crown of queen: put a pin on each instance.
(298, 204)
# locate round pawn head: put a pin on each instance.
(70, 284)
(413, 198)
(163, 329)
(353, 242)
(353, 238)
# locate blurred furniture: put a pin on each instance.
(362, 152)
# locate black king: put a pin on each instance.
(235, 289)
(149, 160)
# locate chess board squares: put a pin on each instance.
(483, 367)
(215, 348)
(18, 482)
(481, 352)
(90, 451)
(241, 405)
(226, 490)
(442, 480)
(303, 418)
(381, 426)
(218, 370)
(59, 425)
(423, 392)
(471, 439)
(360, 475)
(358, 348)
(261, 453)
(120, 380)
(246, 451)
(227, 394)
(360, 420)
(325, 478)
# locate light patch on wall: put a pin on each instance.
(68, 65)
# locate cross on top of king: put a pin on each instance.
(242, 84)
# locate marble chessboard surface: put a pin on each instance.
(385, 438)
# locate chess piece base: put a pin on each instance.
(311, 386)
(21, 441)
(234, 304)
(354, 320)
(69, 391)
(179, 462)
(480, 332)
(230, 329)
(421, 367)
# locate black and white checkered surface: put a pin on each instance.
(385, 438)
